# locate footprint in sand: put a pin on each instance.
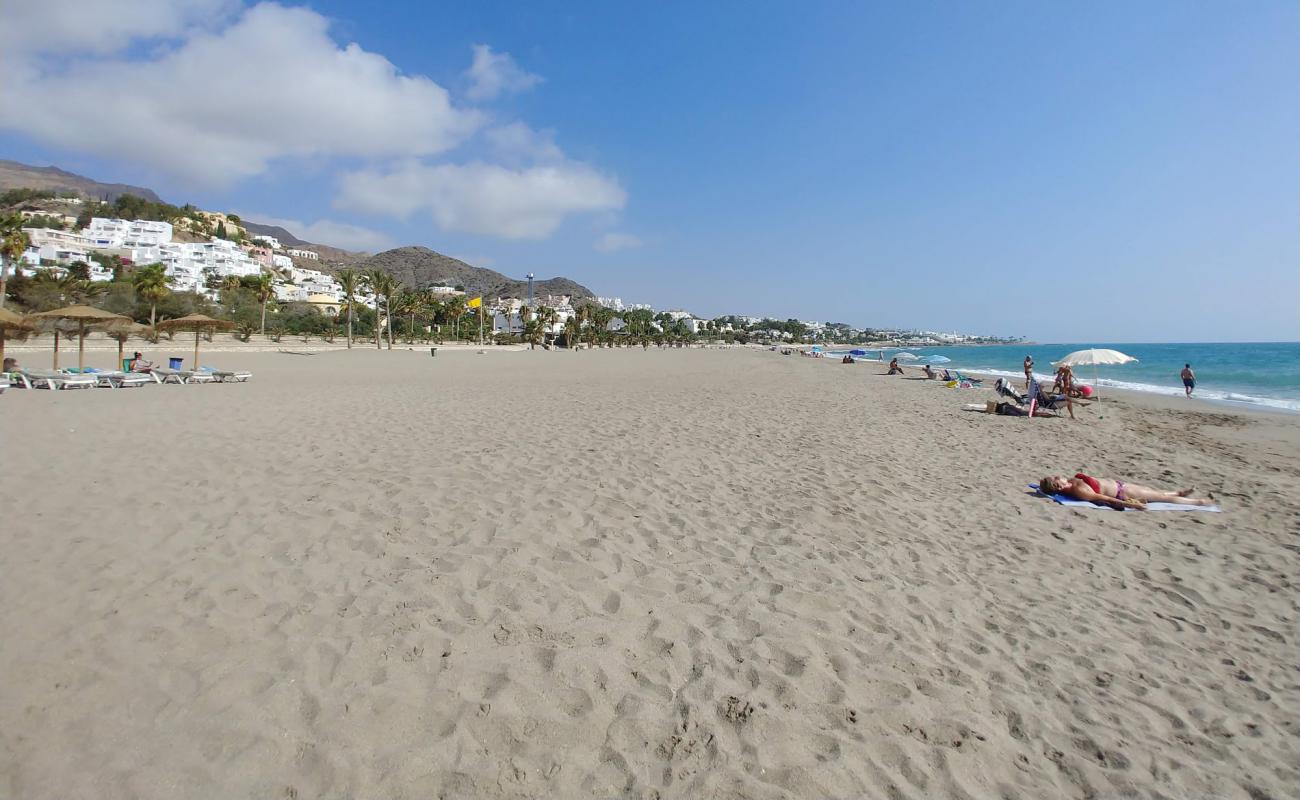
(613, 602)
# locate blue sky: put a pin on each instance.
(1123, 172)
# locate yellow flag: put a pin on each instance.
(476, 302)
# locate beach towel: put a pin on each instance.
(1070, 501)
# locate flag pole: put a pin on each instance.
(480, 324)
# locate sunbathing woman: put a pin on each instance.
(1116, 493)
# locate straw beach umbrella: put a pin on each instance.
(196, 323)
(9, 321)
(1095, 357)
(121, 331)
(85, 317)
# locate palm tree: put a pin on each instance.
(349, 281)
(405, 304)
(264, 288)
(382, 285)
(546, 316)
(13, 241)
(571, 327)
(455, 308)
(532, 332)
(390, 287)
(524, 311)
(152, 284)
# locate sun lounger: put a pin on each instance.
(49, 379)
(230, 376)
(165, 375)
(116, 379)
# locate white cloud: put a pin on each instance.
(71, 28)
(483, 198)
(493, 74)
(342, 235)
(222, 105)
(518, 142)
(615, 241)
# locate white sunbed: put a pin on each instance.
(165, 375)
(116, 379)
(230, 376)
(50, 379)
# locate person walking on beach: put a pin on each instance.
(1189, 379)
(1029, 371)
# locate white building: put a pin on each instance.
(444, 291)
(615, 303)
(307, 254)
(189, 264)
(114, 233)
(269, 241)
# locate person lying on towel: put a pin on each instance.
(1116, 493)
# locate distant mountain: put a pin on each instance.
(21, 176)
(285, 238)
(414, 266)
(418, 267)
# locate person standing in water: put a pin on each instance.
(1189, 379)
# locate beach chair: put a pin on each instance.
(230, 376)
(116, 379)
(1039, 401)
(1004, 389)
(49, 379)
(180, 376)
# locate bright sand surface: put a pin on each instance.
(675, 573)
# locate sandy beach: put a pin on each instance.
(613, 573)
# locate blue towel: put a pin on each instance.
(1070, 501)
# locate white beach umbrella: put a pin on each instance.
(1095, 357)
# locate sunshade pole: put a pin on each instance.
(196, 348)
(56, 349)
(81, 346)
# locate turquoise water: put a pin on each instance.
(1264, 374)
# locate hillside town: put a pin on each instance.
(205, 253)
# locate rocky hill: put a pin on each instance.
(14, 175)
(419, 267)
(285, 238)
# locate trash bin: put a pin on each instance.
(175, 363)
(433, 351)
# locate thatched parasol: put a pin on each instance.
(195, 322)
(120, 331)
(9, 321)
(84, 316)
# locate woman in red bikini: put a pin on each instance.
(1116, 494)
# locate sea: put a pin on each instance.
(1259, 374)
